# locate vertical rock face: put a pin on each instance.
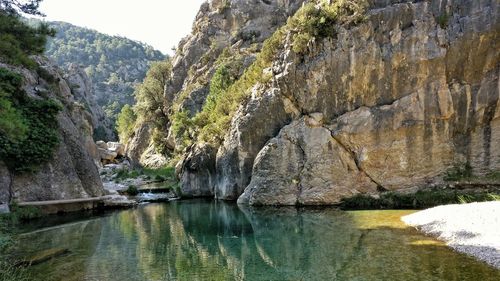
(72, 172)
(238, 25)
(404, 97)
(259, 121)
(391, 103)
(305, 165)
(199, 172)
(81, 88)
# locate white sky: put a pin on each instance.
(159, 23)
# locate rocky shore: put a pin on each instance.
(472, 229)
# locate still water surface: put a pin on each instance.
(207, 240)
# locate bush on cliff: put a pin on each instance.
(316, 21)
(28, 130)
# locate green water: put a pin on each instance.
(206, 240)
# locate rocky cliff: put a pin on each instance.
(81, 87)
(239, 26)
(390, 101)
(391, 104)
(72, 172)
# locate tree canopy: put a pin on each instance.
(29, 7)
(115, 64)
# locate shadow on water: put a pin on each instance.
(208, 240)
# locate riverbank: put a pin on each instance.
(472, 228)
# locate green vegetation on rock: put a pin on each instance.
(132, 190)
(115, 64)
(18, 41)
(314, 21)
(442, 20)
(28, 130)
(150, 102)
(125, 123)
(419, 200)
(161, 174)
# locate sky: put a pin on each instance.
(159, 23)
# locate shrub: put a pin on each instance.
(12, 123)
(459, 172)
(28, 134)
(319, 21)
(132, 190)
(418, 200)
(443, 20)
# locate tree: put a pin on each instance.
(18, 41)
(125, 123)
(149, 95)
(29, 7)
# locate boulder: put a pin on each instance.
(107, 155)
(117, 147)
(138, 144)
(101, 144)
(305, 165)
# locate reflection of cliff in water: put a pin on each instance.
(80, 238)
(207, 240)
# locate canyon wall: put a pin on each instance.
(392, 102)
(72, 173)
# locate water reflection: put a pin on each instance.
(206, 240)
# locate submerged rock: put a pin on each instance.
(118, 201)
(43, 256)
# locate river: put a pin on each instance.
(209, 240)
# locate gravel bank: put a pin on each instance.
(473, 228)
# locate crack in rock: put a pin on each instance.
(302, 166)
(380, 187)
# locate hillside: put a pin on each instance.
(114, 64)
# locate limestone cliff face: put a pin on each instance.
(391, 103)
(83, 92)
(238, 25)
(72, 173)
(404, 98)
